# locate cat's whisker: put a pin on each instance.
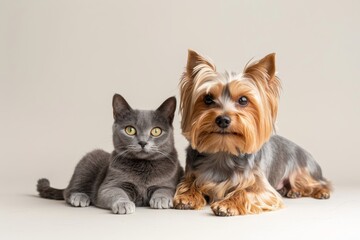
(164, 154)
(123, 148)
(120, 155)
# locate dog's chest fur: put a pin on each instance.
(218, 167)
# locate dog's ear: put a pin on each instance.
(198, 69)
(264, 73)
(264, 67)
(119, 104)
(195, 62)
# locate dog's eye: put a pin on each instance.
(208, 100)
(243, 101)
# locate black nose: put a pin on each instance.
(142, 144)
(223, 121)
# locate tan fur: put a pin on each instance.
(196, 66)
(241, 195)
(252, 125)
(303, 185)
(187, 196)
(263, 72)
(243, 202)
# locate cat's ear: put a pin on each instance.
(167, 108)
(119, 104)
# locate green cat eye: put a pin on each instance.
(156, 131)
(130, 130)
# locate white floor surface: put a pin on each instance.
(23, 215)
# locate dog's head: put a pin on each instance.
(223, 112)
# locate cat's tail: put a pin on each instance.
(45, 191)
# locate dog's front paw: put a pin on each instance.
(161, 202)
(322, 194)
(123, 207)
(225, 208)
(189, 201)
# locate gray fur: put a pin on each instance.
(162, 198)
(285, 157)
(79, 200)
(131, 175)
(277, 159)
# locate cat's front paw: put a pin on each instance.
(79, 200)
(161, 202)
(123, 207)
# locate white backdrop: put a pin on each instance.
(61, 62)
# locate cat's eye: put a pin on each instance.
(243, 101)
(208, 99)
(130, 130)
(156, 131)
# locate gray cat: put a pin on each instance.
(143, 170)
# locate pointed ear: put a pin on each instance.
(119, 104)
(265, 65)
(195, 60)
(167, 108)
(263, 72)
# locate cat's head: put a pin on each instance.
(143, 134)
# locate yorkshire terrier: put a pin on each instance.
(235, 161)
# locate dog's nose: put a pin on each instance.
(223, 121)
(142, 144)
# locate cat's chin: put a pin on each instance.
(146, 155)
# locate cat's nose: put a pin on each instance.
(142, 144)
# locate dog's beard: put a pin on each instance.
(214, 142)
(244, 135)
